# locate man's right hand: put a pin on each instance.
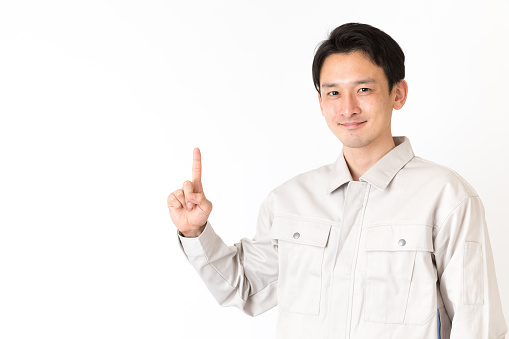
(189, 209)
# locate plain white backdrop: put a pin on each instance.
(102, 103)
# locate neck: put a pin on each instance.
(359, 160)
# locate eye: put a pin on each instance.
(364, 90)
(333, 93)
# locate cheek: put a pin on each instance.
(368, 106)
(377, 102)
(377, 109)
(328, 109)
(324, 108)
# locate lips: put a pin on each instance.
(352, 124)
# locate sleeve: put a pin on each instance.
(466, 272)
(243, 275)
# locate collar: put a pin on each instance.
(380, 174)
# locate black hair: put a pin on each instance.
(377, 45)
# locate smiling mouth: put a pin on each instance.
(352, 124)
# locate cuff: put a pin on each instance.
(197, 246)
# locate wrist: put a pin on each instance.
(193, 233)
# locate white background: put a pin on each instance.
(102, 103)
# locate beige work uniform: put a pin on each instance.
(364, 259)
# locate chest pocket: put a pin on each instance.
(301, 247)
(400, 276)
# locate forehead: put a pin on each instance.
(349, 68)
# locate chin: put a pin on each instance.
(353, 142)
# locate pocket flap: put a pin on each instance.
(399, 238)
(300, 231)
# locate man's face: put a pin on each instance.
(355, 100)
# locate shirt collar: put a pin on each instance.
(381, 173)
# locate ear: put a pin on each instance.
(401, 91)
(320, 102)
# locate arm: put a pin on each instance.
(244, 275)
(466, 273)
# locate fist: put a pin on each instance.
(189, 209)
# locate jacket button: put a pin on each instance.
(401, 242)
(296, 235)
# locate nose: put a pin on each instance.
(349, 105)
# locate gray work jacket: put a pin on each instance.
(364, 259)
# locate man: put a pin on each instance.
(379, 244)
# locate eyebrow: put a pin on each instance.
(358, 82)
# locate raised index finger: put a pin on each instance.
(197, 170)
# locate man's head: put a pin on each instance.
(375, 44)
(358, 73)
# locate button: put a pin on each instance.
(296, 235)
(401, 242)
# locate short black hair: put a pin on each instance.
(377, 45)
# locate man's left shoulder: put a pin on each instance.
(438, 176)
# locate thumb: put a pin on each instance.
(202, 202)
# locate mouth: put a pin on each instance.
(352, 124)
